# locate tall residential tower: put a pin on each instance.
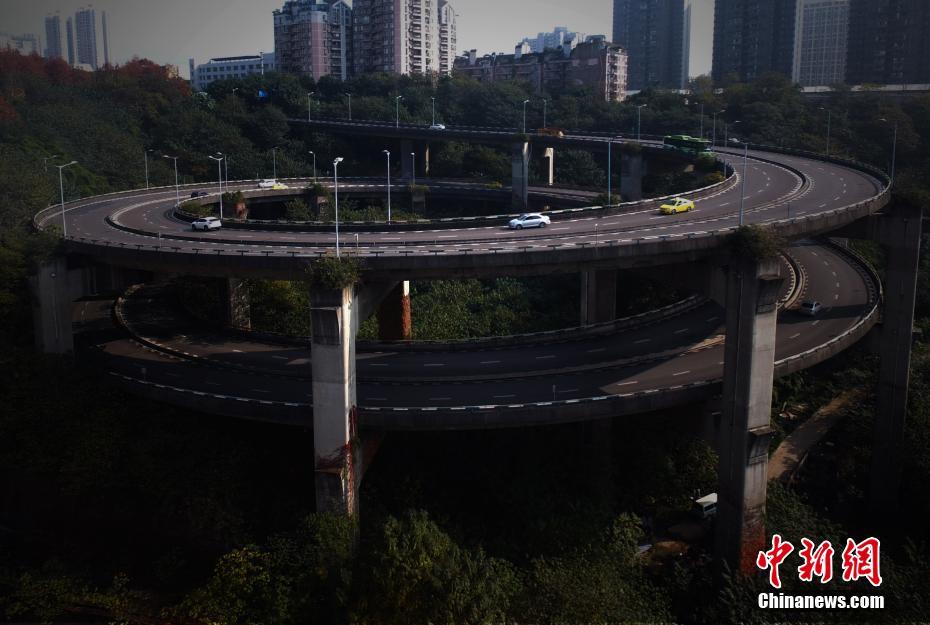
(447, 37)
(652, 32)
(53, 37)
(820, 35)
(396, 36)
(86, 25)
(888, 42)
(752, 37)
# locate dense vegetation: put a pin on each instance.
(116, 509)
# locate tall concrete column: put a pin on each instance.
(632, 170)
(406, 162)
(425, 159)
(748, 371)
(335, 317)
(52, 296)
(598, 296)
(520, 162)
(394, 318)
(550, 158)
(900, 232)
(238, 304)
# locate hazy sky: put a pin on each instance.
(171, 31)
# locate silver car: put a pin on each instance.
(810, 307)
(529, 220)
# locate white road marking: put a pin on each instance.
(794, 336)
(490, 362)
(681, 373)
(545, 357)
(597, 349)
(434, 364)
(641, 341)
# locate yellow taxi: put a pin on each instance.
(678, 205)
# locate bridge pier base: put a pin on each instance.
(632, 170)
(394, 318)
(598, 296)
(520, 163)
(334, 317)
(237, 304)
(900, 232)
(550, 159)
(53, 290)
(748, 372)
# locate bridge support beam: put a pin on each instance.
(752, 294)
(334, 317)
(598, 296)
(632, 170)
(53, 291)
(520, 163)
(394, 318)
(900, 232)
(550, 159)
(237, 304)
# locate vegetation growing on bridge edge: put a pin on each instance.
(331, 272)
(755, 242)
(197, 209)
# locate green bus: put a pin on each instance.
(684, 143)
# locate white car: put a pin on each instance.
(207, 223)
(810, 307)
(529, 220)
(267, 183)
(438, 127)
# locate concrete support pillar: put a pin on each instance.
(406, 162)
(425, 159)
(550, 158)
(598, 296)
(335, 317)
(900, 232)
(238, 304)
(632, 170)
(394, 319)
(520, 161)
(52, 297)
(748, 371)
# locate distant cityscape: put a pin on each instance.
(817, 43)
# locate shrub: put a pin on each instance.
(233, 199)
(196, 209)
(713, 178)
(296, 210)
(755, 242)
(332, 273)
(705, 161)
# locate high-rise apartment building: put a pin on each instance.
(396, 36)
(752, 37)
(106, 39)
(888, 42)
(340, 40)
(686, 45)
(820, 36)
(301, 38)
(86, 23)
(70, 31)
(53, 37)
(652, 32)
(447, 37)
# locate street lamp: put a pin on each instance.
(350, 105)
(702, 120)
(61, 187)
(894, 147)
(829, 115)
(145, 156)
(413, 168)
(387, 154)
(545, 106)
(46, 159)
(219, 173)
(309, 103)
(742, 186)
(177, 188)
(726, 132)
(434, 109)
(639, 111)
(609, 145)
(714, 136)
(274, 162)
(313, 154)
(397, 100)
(336, 185)
(222, 184)
(524, 115)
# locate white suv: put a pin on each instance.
(267, 183)
(207, 223)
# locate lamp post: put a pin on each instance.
(313, 154)
(61, 187)
(702, 120)
(434, 109)
(713, 142)
(46, 159)
(894, 148)
(219, 173)
(413, 168)
(742, 186)
(524, 115)
(639, 111)
(545, 106)
(829, 116)
(609, 144)
(145, 156)
(309, 103)
(387, 154)
(221, 155)
(336, 185)
(349, 95)
(274, 162)
(177, 187)
(397, 100)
